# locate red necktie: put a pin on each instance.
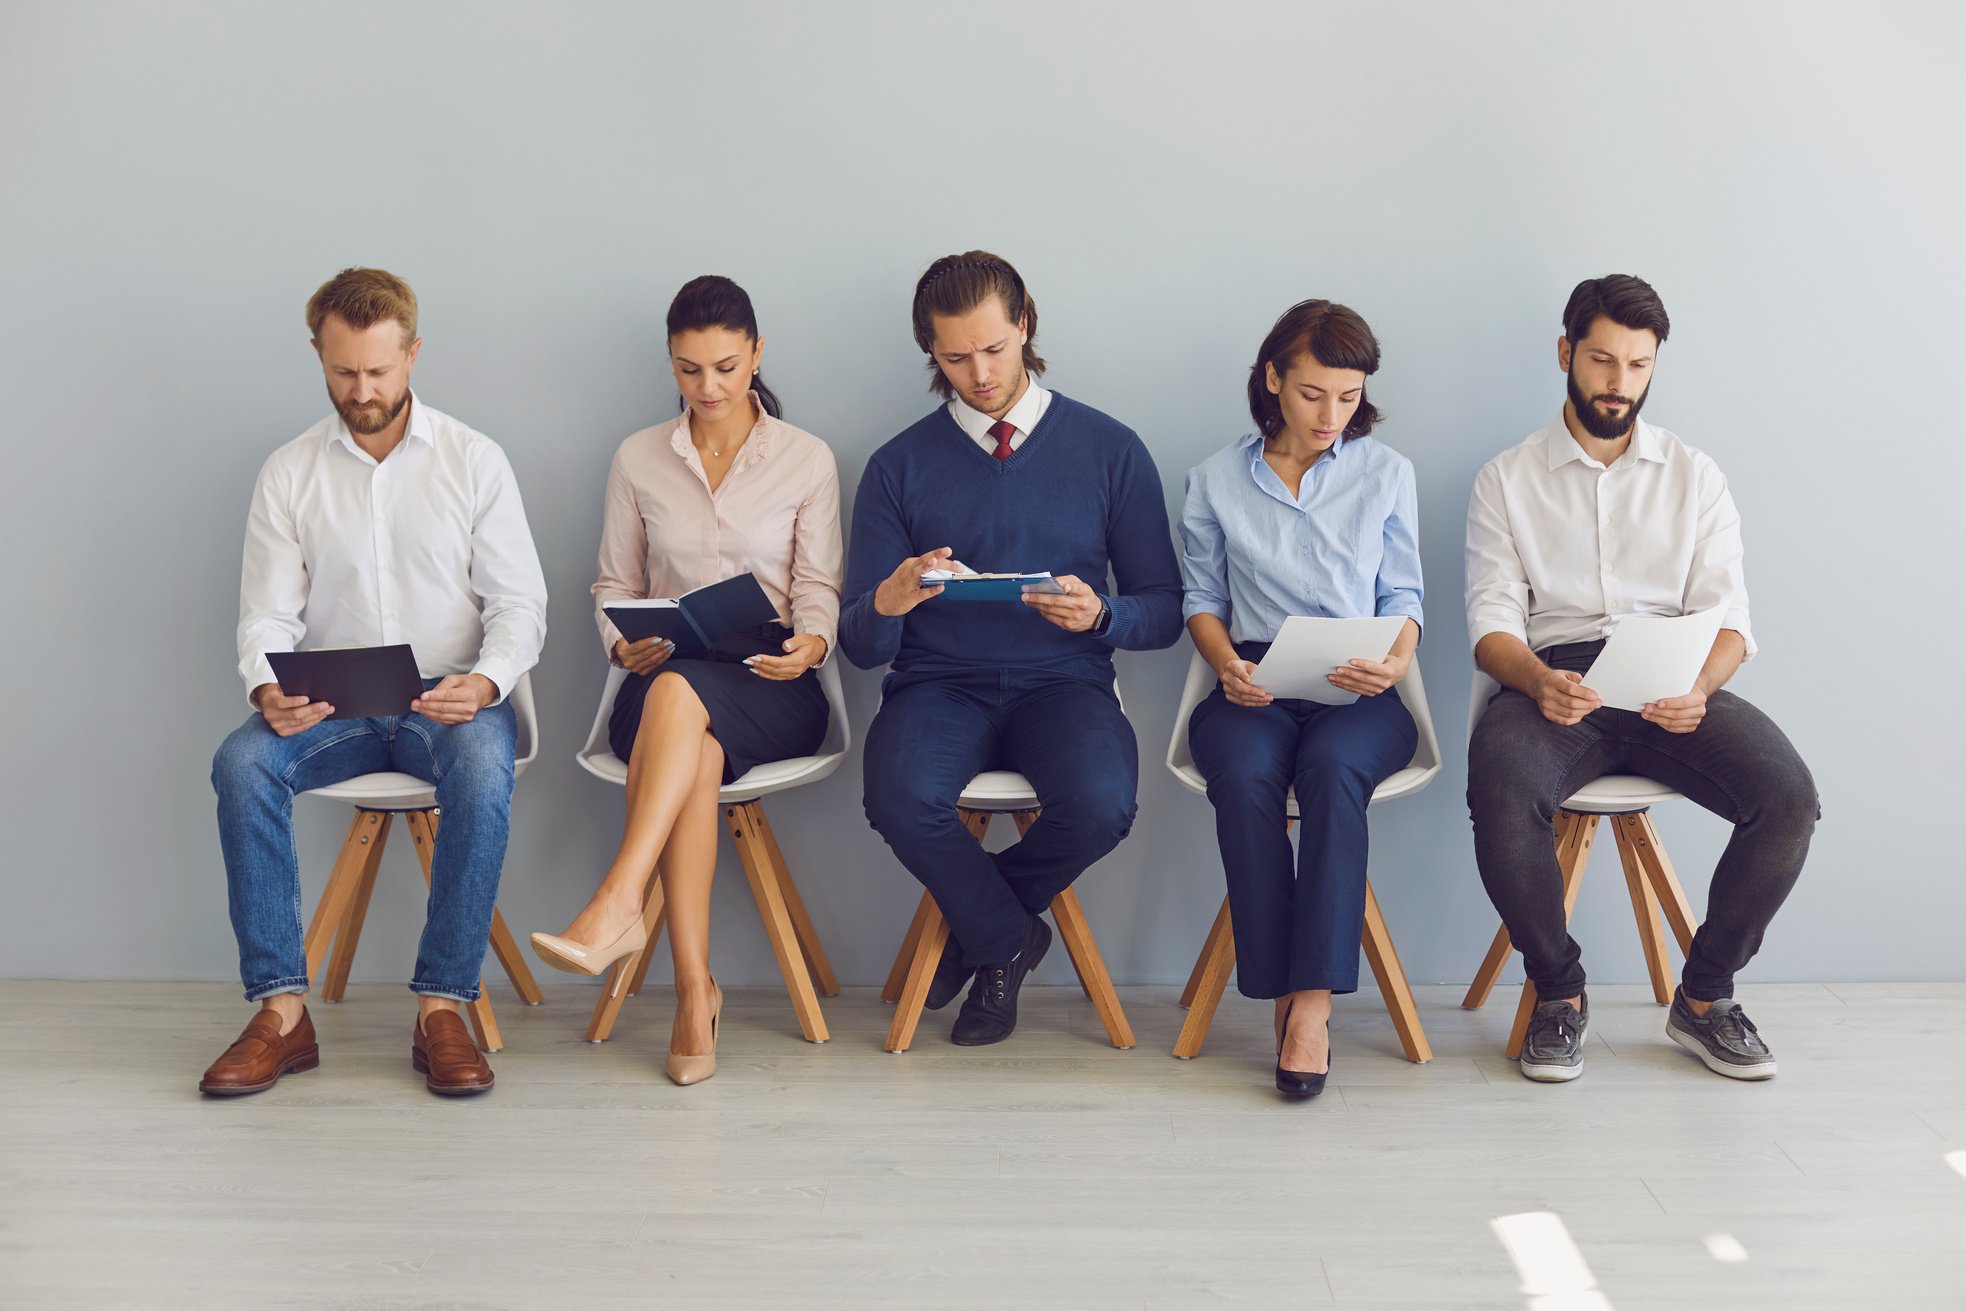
(1002, 430)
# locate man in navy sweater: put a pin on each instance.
(1010, 478)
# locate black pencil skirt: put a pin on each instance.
(754, 719)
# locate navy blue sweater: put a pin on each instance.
(1079, 496)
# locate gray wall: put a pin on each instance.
(173, 184)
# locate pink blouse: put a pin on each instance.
(776, 514)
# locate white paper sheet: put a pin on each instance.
(1652, 657)
(1307, 649)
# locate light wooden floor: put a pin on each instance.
(1052, 1171)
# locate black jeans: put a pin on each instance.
(1737, 764)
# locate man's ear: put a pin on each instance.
(1563, 354)
(410, 363)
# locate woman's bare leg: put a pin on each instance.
(662, 771)
(689, 864)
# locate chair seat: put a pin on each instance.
(999, 789)
(758, 781)
(388, 790)
(1618, 794)
(1399, 784)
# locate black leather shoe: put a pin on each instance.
(990, 1013)
(950, 976)
(1292, 1083)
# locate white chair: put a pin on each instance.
(793, 939)
(1649, 876)
(1218, 954)
(378, 798)
(991, 793)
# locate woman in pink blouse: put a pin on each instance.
(722, 489)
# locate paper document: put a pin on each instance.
(1307, 649)
(972, 586)
(1652, 657)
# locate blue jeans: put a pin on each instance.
(256, 774)
(1296, 929)
(1068, 736)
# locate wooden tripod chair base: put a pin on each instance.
(344, 905)
(914, 966)
(794, 940)
(1649, 879)
(1218, 957)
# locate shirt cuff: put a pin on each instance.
(501, 676)
(1195, 603)
(259, 676)
(1484, 622)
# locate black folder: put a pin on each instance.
(358, 681)
(697, 621)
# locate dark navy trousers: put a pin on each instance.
(934, 733)
(1298, 928)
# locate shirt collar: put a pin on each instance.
(1252, 445)
(420, 429)
(1021, 416)
(757, 443)
(1561, 448)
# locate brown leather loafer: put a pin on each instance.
(444, 1052)
(260, 1055)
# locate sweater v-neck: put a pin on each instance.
(1014, 460)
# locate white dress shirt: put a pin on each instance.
(429, 546)
(1560, 547)
(1022, 416)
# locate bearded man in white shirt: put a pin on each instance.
(1597, 517)
(385, 523)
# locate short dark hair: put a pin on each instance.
(1337, 336)
(957, 284)
(1625, 300)
(712, 301)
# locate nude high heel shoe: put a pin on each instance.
(686, 1070)
(568, 955)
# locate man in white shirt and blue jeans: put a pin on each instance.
(1597, 517)
(387, 522)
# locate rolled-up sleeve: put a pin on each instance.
(1716, 577)
(1204, 553)
(1498, 585)
(1398, 589)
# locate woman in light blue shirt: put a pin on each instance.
(1307, 516)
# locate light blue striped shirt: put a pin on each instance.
(1346, 547)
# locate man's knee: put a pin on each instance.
(478, 760)
(1097, 815)
(241, 762)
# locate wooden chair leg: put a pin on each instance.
(349, 935)
(816, 963)
(1215, 932)
(1098, 984)
(1024, 819)
(1207, 983)
(1491, 970)
(506, 948)
(618, 987)
(423, 833)
(898, 973)
(1659, 872)
(921, 969)
(332, 909)
(1573, 853)
(755, 856)
(1645, 909)
(1398, 994)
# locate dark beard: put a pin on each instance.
(361, 423)
(1602, 426)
